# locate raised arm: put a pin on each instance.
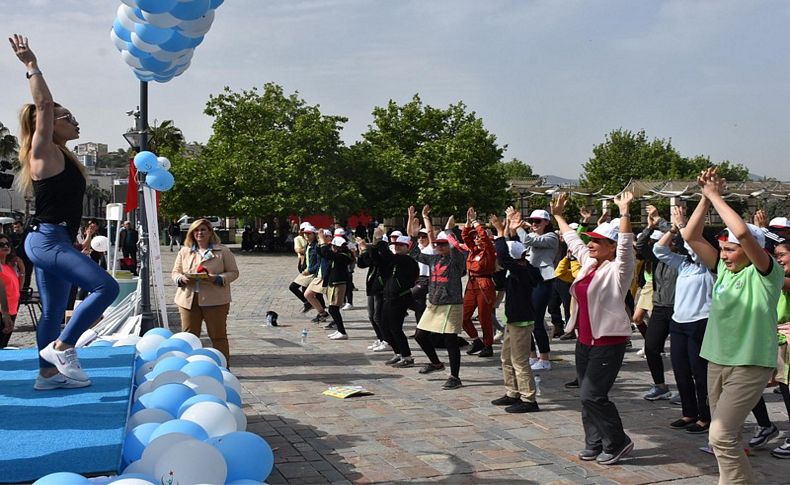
(623, 201)
(712, 187)
(426, 219)
(557, 210)
(411, 228)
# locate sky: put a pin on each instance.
(549, 78)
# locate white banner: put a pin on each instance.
(155, 253)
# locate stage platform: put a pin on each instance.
(74, 430)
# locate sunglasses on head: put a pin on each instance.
(68, 117)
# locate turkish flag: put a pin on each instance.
(131, 188)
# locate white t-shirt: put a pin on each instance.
(425, 270)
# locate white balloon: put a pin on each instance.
(184, 56)
(231, 381)
(172, 353)
(119, 43)
(145, 368)
(198, 27)
(143, 389)
(207, 385)
(137, 467)
(129, 339)
(204, 358)
(190, 338)
(161, 20)
(165, 56)
(144, 46)
(219, 354)
(151, 415)
(131, 481)
(131, 3)
(157, 446)
(191, 462)
(86, 338)
(215, 418)
(149, 342)
(238, 414)
(130, 59)
(169, 377)
(164, 164)
(124, 17)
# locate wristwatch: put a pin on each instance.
(32, 73)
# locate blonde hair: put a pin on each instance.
(27, 125)
(189, 240)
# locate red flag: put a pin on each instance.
(131, 188)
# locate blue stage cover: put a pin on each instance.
(74, 430)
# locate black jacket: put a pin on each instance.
(522, 278)
(374, 282)
(399, 271)
(338, 264)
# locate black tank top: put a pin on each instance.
(59, 198)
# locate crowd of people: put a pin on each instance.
(722, 302)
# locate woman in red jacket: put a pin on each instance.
(480, 290)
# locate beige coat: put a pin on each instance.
(223, 263)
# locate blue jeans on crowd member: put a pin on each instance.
(59, 266)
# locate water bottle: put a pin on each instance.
(538, 382)
(303, 338)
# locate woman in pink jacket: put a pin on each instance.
(604, 324)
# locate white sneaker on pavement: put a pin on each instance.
(338, 336)
(499, 335)
(58, 381)
(542, 365)
(375, 344)
(382, 347)
(66, 362)
(347, 306)
(533, 361)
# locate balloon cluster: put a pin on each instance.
(186, 422)
(157, 170)
(158, 37)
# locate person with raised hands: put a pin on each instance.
(740, 339)
(374, 284)
(480, 292)
(603, 322)
(443, 316)
(334, 250)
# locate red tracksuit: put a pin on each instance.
(480, 290)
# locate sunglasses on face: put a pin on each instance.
(68, 117)
(4, 245)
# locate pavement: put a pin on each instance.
(410, 430)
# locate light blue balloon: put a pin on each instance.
(62, 478)
(166, 364)
(139, 14)
(160, 179)
(164, 332)
(199, 398)
(168, 397)
(216, 3)
(180, 426)
(195, 41)
(203, 368)
(145, 161)
(121, 31)
(101, 343)
(249, 457)
(139, 476)
(143, 77)
(191, 10)
(157, 6)
(137, 52)
(154, 65)
(177, 42)
(173, 343)
(208, 353)
(233, 396)
(153, 35)
(136, 440)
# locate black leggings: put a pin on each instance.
(392, 316)
(657, 333)
(760, 412)
(337, 318)
(375, 304)
(424, 339)
(540, 299)
(298, 291)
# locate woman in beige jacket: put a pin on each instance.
(203, 272)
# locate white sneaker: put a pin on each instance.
(347, 306)
(499, 335)
(641, 352)
(66, 362)
(338, 336)
(382, 347)
(58, 381)
(533, 361)
(541, 365)
(375, 344)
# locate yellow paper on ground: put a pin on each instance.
(342, 392)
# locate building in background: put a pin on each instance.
(88, 153)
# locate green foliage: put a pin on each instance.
(516, 169)
(415, 154)
(166, 139)
(9, 146)
(116, 159)
(625, 155)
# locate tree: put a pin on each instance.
(166, 139)
(516, 169)
(9, 146)
(270, 154)
(415, 154)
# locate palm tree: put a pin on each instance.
(8, 144)
(166, 138)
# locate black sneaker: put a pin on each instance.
(697, 428)
(523, 407)
(476, 347)
(681, 423)
(307, 307)
(452, 383)
(404, 363)
(588, 455)
(505, 401)
(569, 336)
(394, 360)
(615, 456)
(574, 384)
(330, 325)
(428, 368)
(316, 319)
(486, 352)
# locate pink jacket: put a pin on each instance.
(606, 294)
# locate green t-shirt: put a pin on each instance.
(783, 309)
(742, 323)
(519, 324)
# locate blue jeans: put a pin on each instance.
(59, 266)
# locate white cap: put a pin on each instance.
(423, 230)
(339, 241)
(540, 214)
(656, 235)
(574, 225)
(607, 230)
(441, 238)
(304, 224)
(340, 231)
(516, 249)
(779, 223)
(308, 228)
(396, 234)
(756, 232)
(327, 232)
(402, 240)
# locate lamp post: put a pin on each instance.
(138, 139)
